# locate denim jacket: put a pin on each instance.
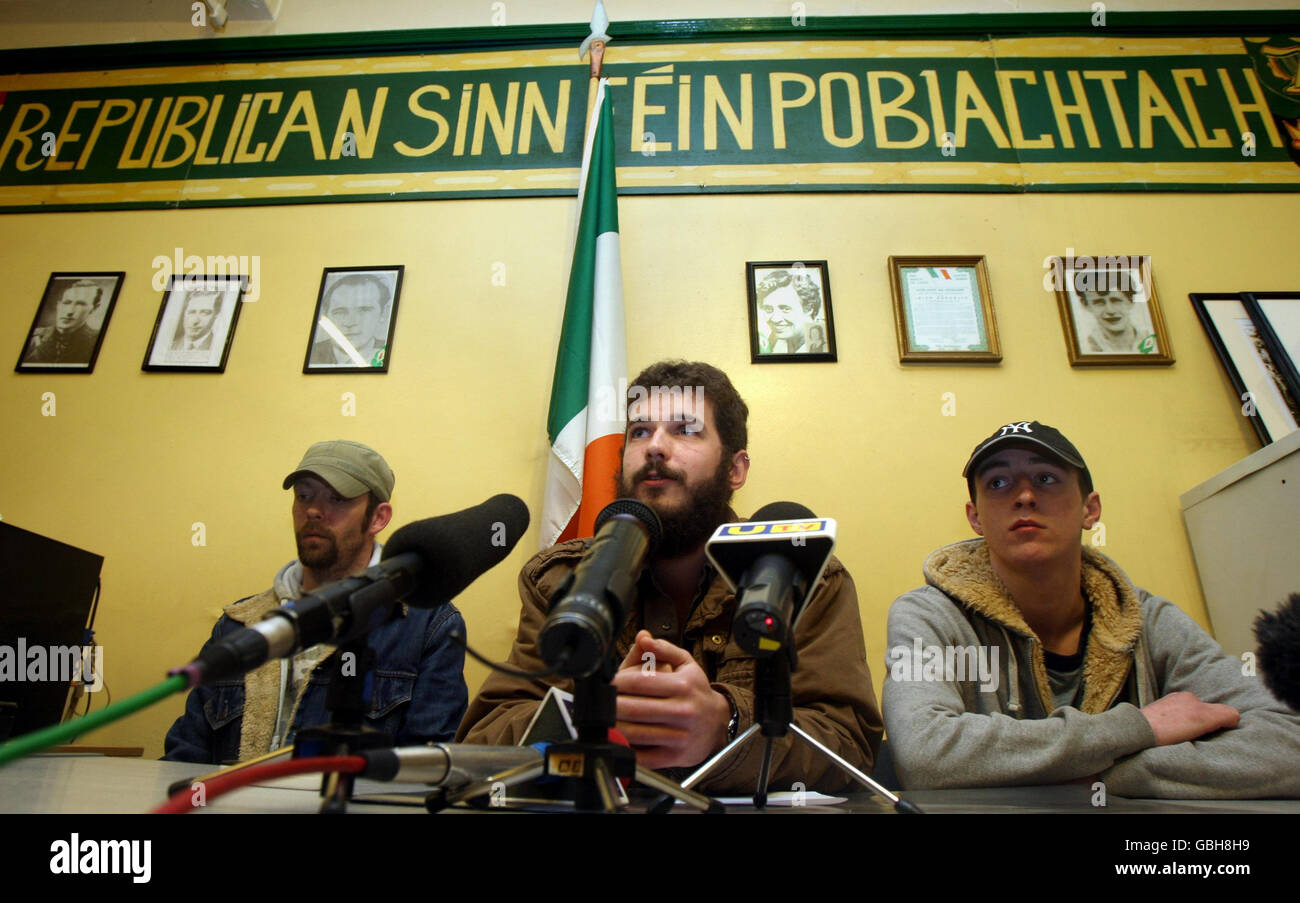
(415, 693)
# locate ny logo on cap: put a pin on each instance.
(1021, 427)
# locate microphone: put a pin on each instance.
(449, 765)
(1279, 650)
(427, 562)
(441, 556)
(772, 563)
(593, 602)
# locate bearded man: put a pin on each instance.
(684, 454)
(416, 690)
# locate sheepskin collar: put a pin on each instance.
(964, 572)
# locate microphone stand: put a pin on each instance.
(774, 718)
(346, 734)
(591, 762)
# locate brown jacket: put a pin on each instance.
(832, 692)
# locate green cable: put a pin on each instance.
(60, 733)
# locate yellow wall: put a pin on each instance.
(132, 460)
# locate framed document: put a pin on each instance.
(1109, 311)
(790, 312)
(70, 323)
(943, 309)
(196, 324)
(1261, 394)
(356, 313)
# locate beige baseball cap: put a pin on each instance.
(350, 467)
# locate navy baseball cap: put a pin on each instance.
(1028, 432)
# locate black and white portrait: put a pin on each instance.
(195, 324)
(790, 312)
(70, 322)
(356, 312)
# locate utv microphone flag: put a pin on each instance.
(585, 429)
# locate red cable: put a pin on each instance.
(183, 801)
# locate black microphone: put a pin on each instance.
(1279, 650)
(594, 601)
(440, 556)
(772, 563)
(427, 563)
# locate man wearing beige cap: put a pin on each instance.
(416, 690)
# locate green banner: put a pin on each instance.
(775, 116)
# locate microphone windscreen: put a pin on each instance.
(783, 511)
(1279, 650)
(637, 509)
(456, 548)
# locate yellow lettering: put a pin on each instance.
(440, 123)
(641, 109)
(776, 86)
(1064, 111)
(201, 157)
(1007, 89)
(972, 105)
(1197, 77)
(103, 121)
(67, 136)
(177, 129)
(303, 107)
(1239, 109)
(684, 113)
(351, 120)
(503, 127)
(828, 108)
(1108, 78)
(126, 161)
(272, 101)
(20, 133)
(882, 111)
(241, 113)
(715, 102)
(535, 106)
(937, 117)
(1151, 104)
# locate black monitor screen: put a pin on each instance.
(46, 589)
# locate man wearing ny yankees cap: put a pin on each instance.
(1031, 658)
(415, 691)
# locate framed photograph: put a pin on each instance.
(356, 311)
(1277, 317)
(70, 323)
(943, 309)
(790, 312)
(196, 324)
(1261, 394)
(1109, 311)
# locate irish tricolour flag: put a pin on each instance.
(585, 424)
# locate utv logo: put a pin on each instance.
(945, 663)
(102, 857)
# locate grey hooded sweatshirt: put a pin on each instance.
(968, 702)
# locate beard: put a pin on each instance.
(319, 558)
(685, 529)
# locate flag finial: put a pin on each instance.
(595, 42)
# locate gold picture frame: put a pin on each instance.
(943, 310)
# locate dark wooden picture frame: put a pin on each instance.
(790, 318)
(355, 306)
(196, 322)
(68, 340)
